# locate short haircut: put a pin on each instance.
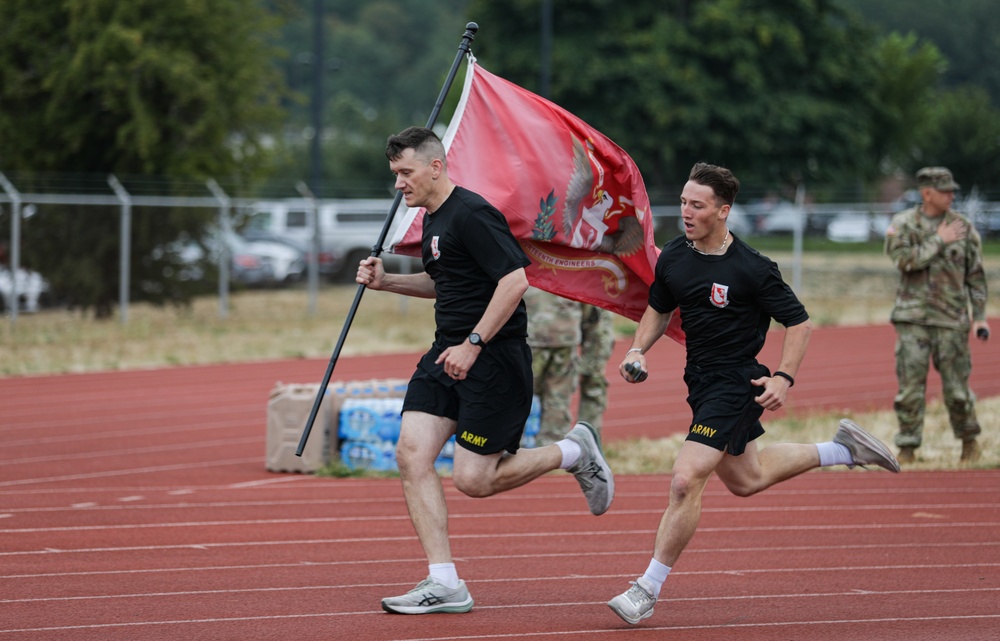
(421, 140)
(724, 184)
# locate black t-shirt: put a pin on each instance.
(726, 301)
(467, 248)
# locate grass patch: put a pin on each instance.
(837, 287)
(260, 325)
(337, 469)
(781, 243)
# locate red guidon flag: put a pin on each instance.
(573, 198)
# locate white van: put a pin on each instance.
(347, 229)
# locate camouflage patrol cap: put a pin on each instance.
(936, 178)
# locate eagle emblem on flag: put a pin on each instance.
(592, 210)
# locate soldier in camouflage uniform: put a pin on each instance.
(596, 344)
(554, 337)
(939, 255)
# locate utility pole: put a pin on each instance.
(318, 69)
(545, 71)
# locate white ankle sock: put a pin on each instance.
(445, 574)
(831, 453)
(570, 452)
(656, 574)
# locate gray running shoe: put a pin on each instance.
(865, 448)
(430, 596)
(636, 604)
(591, 470)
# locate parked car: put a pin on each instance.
(857, 227)
(348, 228)
(246, 266)
(985, 216)
(31, 290)
(288, 262)
(328, 262)
(783, 218)
(988, 223)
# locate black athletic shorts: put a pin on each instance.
(726, 415)
(491, 404)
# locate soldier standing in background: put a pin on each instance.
(596, 344)
(939, 255)
(554, 336)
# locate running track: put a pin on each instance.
(135, 505)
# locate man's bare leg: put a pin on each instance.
(480, 476)
(744, 475)
(756, 470)
(421, 438)
(692, 469)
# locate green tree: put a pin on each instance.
(963, 134)
(774, 89)
(384, 64)
(965, 31)
(185, 89)
(947, 63)
(908, 71)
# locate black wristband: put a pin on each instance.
(788, 377)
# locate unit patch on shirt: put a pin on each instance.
(720, 295)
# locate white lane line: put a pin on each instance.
(588, 633)
(491, 536)
(131, 471)
(486, 557)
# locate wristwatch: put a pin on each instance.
(476, 339)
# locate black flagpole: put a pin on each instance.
(463, 50)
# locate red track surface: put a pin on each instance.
(135, 505)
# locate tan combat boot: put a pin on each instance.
(906, 455)
(970, 452)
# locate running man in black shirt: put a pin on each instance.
(475, 381)
(727, 293)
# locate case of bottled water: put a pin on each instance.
(369, 426)
(378, 456)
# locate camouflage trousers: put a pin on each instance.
(596, 345)
(555, 373)
(948, 350)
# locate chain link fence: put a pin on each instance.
(797, 217)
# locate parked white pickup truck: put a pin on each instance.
(347, 229)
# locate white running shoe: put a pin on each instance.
(865, 449)
(430, 596)
(635, 604)
(591, 470)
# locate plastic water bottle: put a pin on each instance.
(389, 418)
(358, 420)
(534, 422)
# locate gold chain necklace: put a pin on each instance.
(725, 240)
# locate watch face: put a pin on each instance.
(475, 339)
